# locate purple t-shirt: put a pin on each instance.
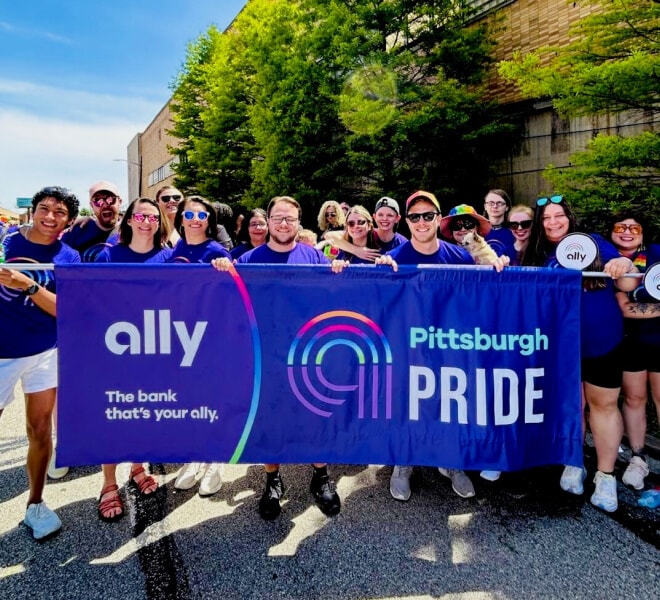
(198, 253)
(395, 242)
(301, 254)
(240, 250)
(123, 254)
(447, 254)
(26, 329)
(89, 240)
(601, 321)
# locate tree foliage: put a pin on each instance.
(612, 66)
(347, 99)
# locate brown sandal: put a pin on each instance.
(146, 483)
(109, 504)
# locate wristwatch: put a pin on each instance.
(33, 289)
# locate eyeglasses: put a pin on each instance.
(495, 204)
(287, 220)
(526, 224)
(141, 217)
(189, 215)
(99, 201)
(622, 228)
(175, 197)
(553, 199)
(458, 224)
(329, 215)
(427, 216)
(258, 225)
(358, 223)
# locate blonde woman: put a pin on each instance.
(331, 218)
(519, 223)
(360, 233)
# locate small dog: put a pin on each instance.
(479, 249)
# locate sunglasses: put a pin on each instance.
(458, 224)
(328, 215)
(359, 223)
(141, 217)
(526, 224)
(99, 201)
(553, 199)
(427, 216)
(622, 228)
(189, 215)
(175, 197)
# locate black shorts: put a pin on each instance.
(639, 356)
(605, 371)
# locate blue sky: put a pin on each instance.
(79, 78)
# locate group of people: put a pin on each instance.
(620, 335)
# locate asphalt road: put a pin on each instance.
(521, 537)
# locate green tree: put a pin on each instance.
(613, 66)
(338, 99)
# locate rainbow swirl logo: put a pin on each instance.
(370, 368)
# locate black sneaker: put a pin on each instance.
(269, 505)
(325, 494)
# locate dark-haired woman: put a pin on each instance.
(195, 221)
(497, 205)
(253, 232)
(628, 231)
(601, 335)
(196, 224)
(143, 235)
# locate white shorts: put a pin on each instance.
(36, 374)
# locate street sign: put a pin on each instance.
(24, 202)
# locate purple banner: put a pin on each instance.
(459, 367)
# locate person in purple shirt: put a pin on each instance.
(601, 337)
(497, 205)
(283, 214)
(90, 235)
(424, 218)
(252, 233)
(28, 343)
(143, 235)
(195, 221)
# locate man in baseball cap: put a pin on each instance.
(90, 235)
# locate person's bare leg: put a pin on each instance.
(38, 414)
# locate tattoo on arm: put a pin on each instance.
(643, 308)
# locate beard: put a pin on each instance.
(283, 239)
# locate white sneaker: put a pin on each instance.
(212, 480)
(400, 483)
(187, 476)
(572, 480)
(56, 472)
(490, 475)
(460, 482)
(604, 497)
(42, 521)
(636, 472)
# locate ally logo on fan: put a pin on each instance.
(652, 281)
(576, 251)
(338, 357)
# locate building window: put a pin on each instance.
(481, 7)
(162, 172)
